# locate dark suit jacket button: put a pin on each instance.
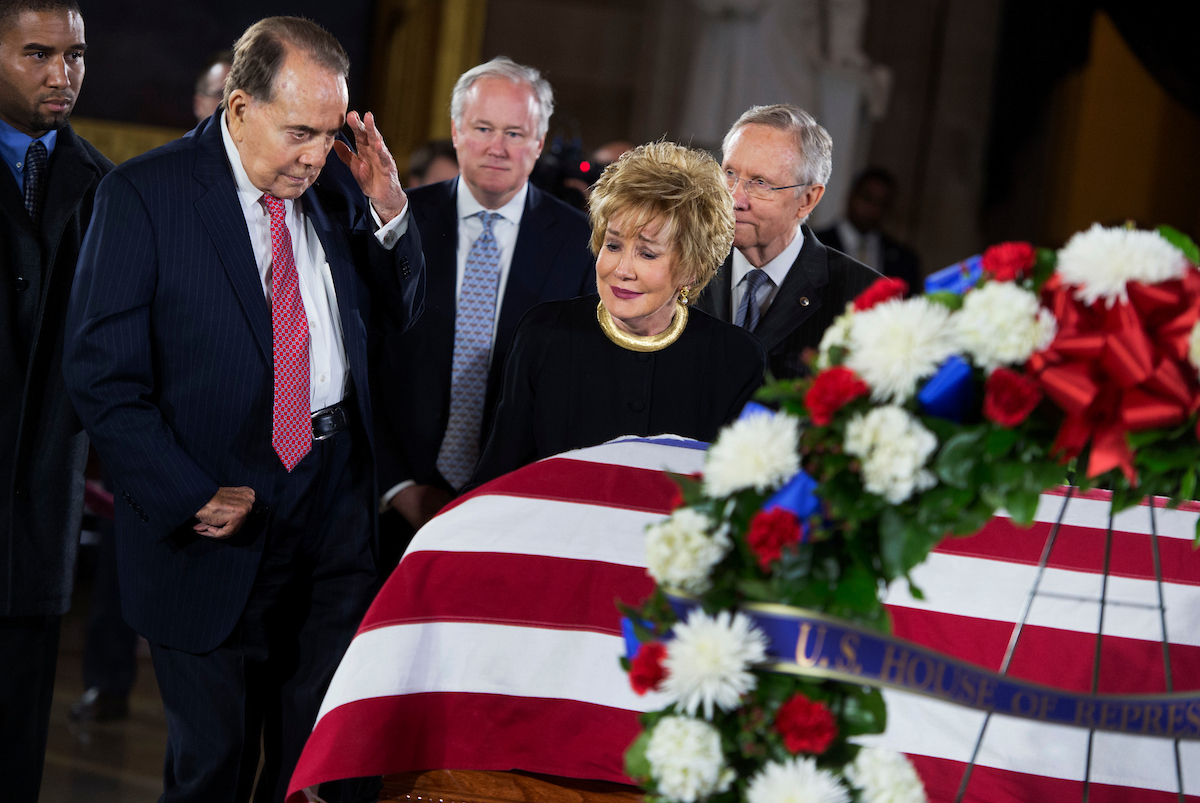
(804, 301)
(22, 283)
(636, 406)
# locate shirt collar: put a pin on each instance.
(14, 143)
(248, 194)
(511, 211)
(777, 269)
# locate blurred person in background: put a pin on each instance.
(210, 85)
(434, 161)
(861, 234)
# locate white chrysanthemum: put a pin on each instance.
(708, 661)
(1194, 346)
(897, 343)
(1002, 323)
(1100, 262)
(838, 334)
(885, 777)
(797, 780)
(893, 446)
(686, 760)
(757, 451)
(680, 553)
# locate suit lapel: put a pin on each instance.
(715, 300)
(221, 213)
(71, 173)
(341, 266)
(533, 259)
(799, 296)
(439, 240)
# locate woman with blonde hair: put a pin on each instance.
(638, 360)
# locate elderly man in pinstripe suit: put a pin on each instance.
(217, 355)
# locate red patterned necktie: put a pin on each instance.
(291, 431)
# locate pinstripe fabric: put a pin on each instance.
(168, 362)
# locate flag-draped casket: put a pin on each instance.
(495, 643)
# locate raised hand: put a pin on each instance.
(373, 166)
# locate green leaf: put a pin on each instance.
(892, 532)
(1043, 267)
(1182, 242)
(958, 457)
(637, 766)
(1021, 505)
(1187, 486)
(952, 301)
(1000, 441)
(863, 712)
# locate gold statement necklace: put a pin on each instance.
(637, 342)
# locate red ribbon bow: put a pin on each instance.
(1120, 369)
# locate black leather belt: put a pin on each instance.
(331, 420)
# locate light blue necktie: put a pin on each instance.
(473, 325)
(748, 314)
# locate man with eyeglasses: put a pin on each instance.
(779, 281)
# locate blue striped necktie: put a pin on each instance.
(473, 324)
(748, 310)
(35, 180)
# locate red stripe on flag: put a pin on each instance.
(1079, 549)
(989, 785)
(1058, 658)
(455, 730)
(564, 480)
(479, 587)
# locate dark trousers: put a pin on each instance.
(266, 681)
(110, 645)
(28, 653)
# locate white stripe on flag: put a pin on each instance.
(928, 727)
(549, 528)
(1093, 513)
(485, 659)
(635, 453)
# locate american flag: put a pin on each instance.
(495, 644)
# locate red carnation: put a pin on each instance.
(770, 531)
(806, 726)
(1009, 397)
(646, 670)
(881, 290)
(832, 390)
(1008, 262)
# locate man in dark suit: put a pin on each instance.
(46, 193)
(217, 354)
(861, 234)
(779, 281)
(482, 279)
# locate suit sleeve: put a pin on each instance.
(397, 277)
(108, 363)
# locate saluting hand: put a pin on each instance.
(373, 166)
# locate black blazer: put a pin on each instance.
(42, 445)
(899, 260)
(815, 291)
(169, 362)
(551, 261)
(567, 385)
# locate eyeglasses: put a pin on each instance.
(756, 187)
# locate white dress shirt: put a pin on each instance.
(328, 368)
(776, 270)
(866, 248)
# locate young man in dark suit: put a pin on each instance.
(496, 246)
(779, 281)
(46, 192)
(217, 354)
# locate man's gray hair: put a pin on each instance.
(813, 144)
(506, 68)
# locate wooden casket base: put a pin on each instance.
(477, 786)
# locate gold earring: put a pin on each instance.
(683, 295)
